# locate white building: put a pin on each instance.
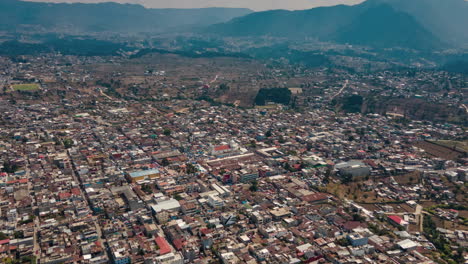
(215, 202)
(353, 168)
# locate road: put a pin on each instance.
(341, 90)
(210, 82)
(37, 247)
(77, 179)
(37, 227)
(105, 95)
(215, 79)
(466, 108)
(418, 214)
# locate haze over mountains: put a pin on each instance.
(415, 24)
(113, 17)
(257, 5)
(419, 24)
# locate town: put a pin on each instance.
(164, 159)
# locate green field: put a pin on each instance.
(25, 87)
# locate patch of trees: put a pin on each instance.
(346, 179)
(310, 59)
(8, 167)
(223, 87)
(254, 186)
(68, 143)
(353, 103)
(212, 102)
(146, 188)
(458, 207)
(67, 46)
(31, 94)
(190, 53)
(191, 169)
(275, 95)
(167, 132)
(113, 92)
(16, 48)
(440, 242)
(85, 47)
(458, 66)
(103, 84)
(165, 162)
(3, 236)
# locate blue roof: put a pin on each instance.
(137, 174)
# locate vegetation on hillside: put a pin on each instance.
(274, 95)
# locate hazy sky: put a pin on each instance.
(252, 4)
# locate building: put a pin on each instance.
(280, 213)
(120, 258)
(143, 175)
(166, 205)
(215, 202)
(171, 258)
(354, 169)
(248, 177)
(229, 258)
(408, 245)
(357, 240)
(398, 221)
(164, 247)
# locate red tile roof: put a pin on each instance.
(164, 247)
(396, 219)
(222, 147)
(75, 191)
(314, 197)
(64, 195)
(17, 181)
(206, 231)
(178, 244)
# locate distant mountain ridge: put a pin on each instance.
(375, 23)
(372, 28)
(447, 19)
(112, 17)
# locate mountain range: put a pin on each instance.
(416, 24)
(78, 18)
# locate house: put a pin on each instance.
(357, 240)
(164, 247)
(398, 221)
(408, 245)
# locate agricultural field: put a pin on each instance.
(25, 87)
(458, 145)
(437, 150)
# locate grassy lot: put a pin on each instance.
(458, 145)
(450, 225)
(354, 192)
(411, 178)
(25, 87)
